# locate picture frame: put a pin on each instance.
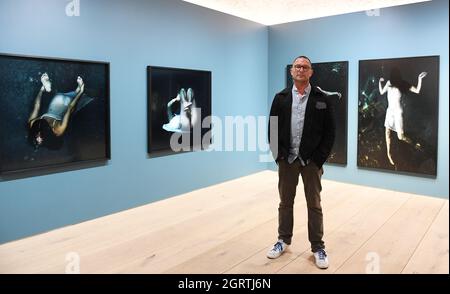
(178, 101)
(398, 109)
(56, 113)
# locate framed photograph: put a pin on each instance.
(398, 114)
(54, 112)
(332, 79)
(178, 102)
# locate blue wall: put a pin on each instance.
(131, 35)
(412, 30)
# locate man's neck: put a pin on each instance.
(301, 87)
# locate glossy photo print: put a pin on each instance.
(54, 112)
(332, 79)
(178, 101)
(398, 114)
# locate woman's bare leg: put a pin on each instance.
(46, 86)
(388, 145)
(60, 128)
(401, 136)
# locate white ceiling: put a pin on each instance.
(270, 12)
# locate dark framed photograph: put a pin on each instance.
(179, 100)
(55, 112)
(398, 111)
(332, 79)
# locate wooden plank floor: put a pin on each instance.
(227, 228)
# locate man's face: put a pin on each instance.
(301, 70)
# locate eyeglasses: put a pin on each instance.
(302, 67)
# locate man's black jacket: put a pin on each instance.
(318, 130)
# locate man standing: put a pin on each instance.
(306, 131)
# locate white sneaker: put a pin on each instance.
(277, 249)
(321, 259)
